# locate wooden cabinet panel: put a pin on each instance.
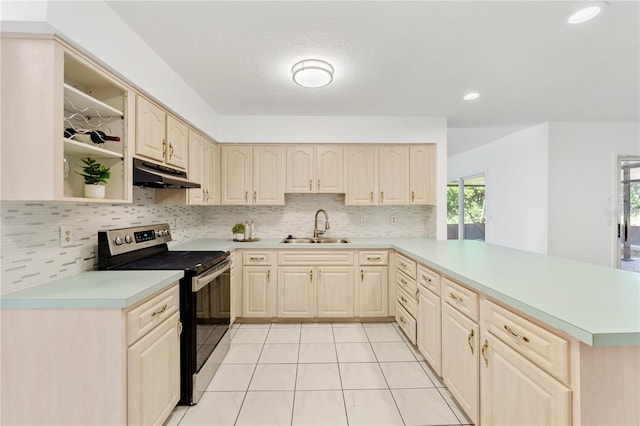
(429, 279)
(330, 169)
(211, 173)
(422, 165)
(145, 317)
(429, 328)
(236, 174)
(177, 154)
(463, 299)
(393, 174)
(296, 292)
(373, 258)
(361, 187)
(300, 169)
(374, 291)
(406, 321)
(335, 292)
(150, 129)
(269, 173)
(258, 294)
(196, 167)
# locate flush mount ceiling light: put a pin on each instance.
(312, 73)
(471, 96)
(586, 12)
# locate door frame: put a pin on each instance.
(617, 224)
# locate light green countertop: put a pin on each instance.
(96, 289)
(597, 305)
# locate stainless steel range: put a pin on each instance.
(204, 296)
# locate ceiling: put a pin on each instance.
(395, 58)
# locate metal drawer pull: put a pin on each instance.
(256, 259)
(418, 296)
(310, 183)
(374, 258)
(471, 334)
(161, 310)
(413, 196)
(381, 196)
(255, 195)
(484, 352)
(246, 196)
(454, 297)
(424, 277)
(170, 150)
(179, 328)
(402, 320)
(164, 147)
(404, 265)
(371, 197)
(516, 335)
(318, 184)
(268, 275)
(403, 299)
(311, 276)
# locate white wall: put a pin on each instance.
(582, 176)
(516, 179)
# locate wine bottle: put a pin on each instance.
(95, 136)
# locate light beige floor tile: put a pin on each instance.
(437, 381)
(423, 407)
(318, 377)
(392, 351)
(405, 375)
(349, 335)
(284, 335)
(346, 324)
(322, 408)
(371, 407)
(383, 334)
(266, 408)
(414, 351)
(317, 353)
(269, 377)
(279, 353)
(243, 354)
(232, 377)
(355, 352)
(362, 375)
(460, 414)
(250, 335)
(316, 335)
(381, 325)
(286, 325)
(254, 325)
(214, 408)
(316, 325)
(176, 416)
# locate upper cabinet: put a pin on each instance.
(58, 108)
(393, 174)
(252, 175)
(422, 167)
(361, 172)
(160, 136)
(204, 168)
(315, 169)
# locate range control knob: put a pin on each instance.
(118, 241)
(128, 239)
(160, 233)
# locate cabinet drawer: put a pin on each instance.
(406, 265)
(145, 317)
(250, 258)
(373, 258)
(408, 284)
(407, 301)
(407, 322)
(543, 348)
(429, 279)
(298, 257)
(461, 298)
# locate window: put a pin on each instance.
(466, 209)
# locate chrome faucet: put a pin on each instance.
(316, 231)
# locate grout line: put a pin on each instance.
(249, 384)
(344, 401)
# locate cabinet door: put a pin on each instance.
(335, 291)
(269, 174)
(517, 392)
(150, 130)
(196, 167)
(296, 292)
(428, 328)
(236, 169)
(235, 285)
(374, 291)
(256, 289)
(153, 365)
(330, 169)
(211, 173)
(460, 369)
(300, 169)
(393, 174)
(177, 154)
(360, 174)
(422, 174)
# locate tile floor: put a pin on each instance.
(322, 374)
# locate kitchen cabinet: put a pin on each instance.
(428, 317)
(460, 349)
(393, 174)
(204, 166)
(252, 175)
(315, 169)
(422, 166)
(235, 286)
(211, 173)
(296, 292)
(259, 285)
(373, 284)
(47, 87)
(361, 175)
(335, 292)
(406, 296)
(160, 136)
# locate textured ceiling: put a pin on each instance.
(402, 58)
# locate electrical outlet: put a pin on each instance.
(363, 221)
(394, 219)
(66, 236)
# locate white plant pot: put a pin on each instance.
(94, 191)
(239, 236)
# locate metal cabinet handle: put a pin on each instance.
(257, 258)
(318, 184)
(170, 150)
(361, 275)
(402, 320)
(164, 147)
(424, 277)
(268, 275)
(484, 352)
(404, 265)
(404, 299)
(255, 195)
(456, 298)
(374, 258)
(161, 310)
(516, 335)
(371, 197)
(179, 328)
(403, 281)
(381, 196)
(413, 196)
(311, 275)
(471, 334)
(418, 296)
(310, 185)
(246, 196)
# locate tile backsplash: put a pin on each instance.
(30, 231)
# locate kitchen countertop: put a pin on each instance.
(95, 289)
(597, 305)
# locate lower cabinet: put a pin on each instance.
(296, 292)
(428, 328)
(257, 289)
(374, 293)
(335, 292)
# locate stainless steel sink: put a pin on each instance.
(315, 241)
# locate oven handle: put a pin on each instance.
(202, 280)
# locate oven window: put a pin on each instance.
(213, 313)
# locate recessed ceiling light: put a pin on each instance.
(312, 73)
(471, 96)
(586, 12)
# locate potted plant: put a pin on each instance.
(95, 177)
(238, 231)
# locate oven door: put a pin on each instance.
(210, 314)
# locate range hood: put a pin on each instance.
(155, 176)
